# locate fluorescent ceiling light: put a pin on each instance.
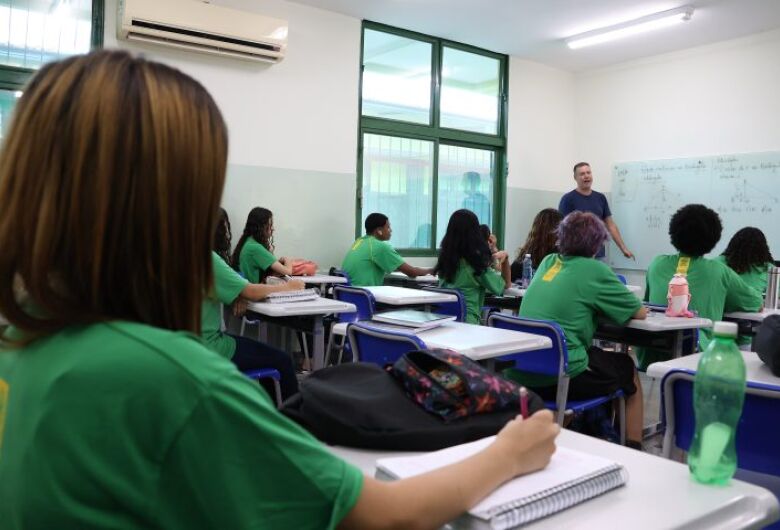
(632, 27)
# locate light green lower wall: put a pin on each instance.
(314, 211)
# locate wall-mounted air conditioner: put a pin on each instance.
(201, 27)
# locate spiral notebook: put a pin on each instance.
(292, 296)
(571, 478)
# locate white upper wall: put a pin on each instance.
(298, 114)
(541, 129)
(711, 100)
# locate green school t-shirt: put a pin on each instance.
(757, 277)
(254, 260)
(121, 425)
(369, 260)
(574, 291)
(715, 289)
(474, 287)
(227, 286)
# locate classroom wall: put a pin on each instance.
(292, 126)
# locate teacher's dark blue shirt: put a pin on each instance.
(595, 203)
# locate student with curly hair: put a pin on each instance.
(748, 255)
(254, 253)
(540, 242)
(573, 289)
(112, 413)
(467, 264)
(715, 288)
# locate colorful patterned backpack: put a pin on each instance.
(452, 386)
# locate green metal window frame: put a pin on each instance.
(14, 78)
(435, 133)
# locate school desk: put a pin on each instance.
(403, 296)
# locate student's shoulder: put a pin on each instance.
(162, 353)
(662, 260)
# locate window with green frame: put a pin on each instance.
(34, 32)
(432, 135)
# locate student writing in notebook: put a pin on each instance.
(107, 398)
(229, 289)
(371, 257)
(715, 288)
(573, 289)
(254, 253)
(467, 264)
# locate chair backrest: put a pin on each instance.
(371, 344)
(362, 298)
(338, 272)
(551, 361)
(622, 279)
(758, 432)
(456, 308)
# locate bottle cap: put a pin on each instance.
(725, 329)
(527, 255)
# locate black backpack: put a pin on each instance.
(362, 405)
(766, 343)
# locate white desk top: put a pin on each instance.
(634, 288)
(391, 295)
(320, 279)
(757, 371)
(428, 278)
(514, 291)
(659, 494)
(755, 317)
(320, 306)
(657, 321)
(482, 342)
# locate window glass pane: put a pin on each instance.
(396, 77)
(466, 179)
(398, 182)
(469, 91)
(34, 32)
(7, 101)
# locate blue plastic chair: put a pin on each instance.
(456, 308)
(554, 362)
(338, 272)
(366, 307)
(622, 279)
(268, 373)
(380, 346)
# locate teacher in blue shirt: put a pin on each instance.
(585, 199)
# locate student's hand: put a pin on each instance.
(283, 260)
(627, 253)
(500, 256)
(527, 445)
(239, 307)
(295, 285)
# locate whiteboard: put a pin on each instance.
(744, 189)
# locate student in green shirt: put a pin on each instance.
(467, 264)
(113, 414)
(715, 288)
(253, 256)
(232, 290)
(371, 257)
(574, 289)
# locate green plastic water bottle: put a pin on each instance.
(718, 395)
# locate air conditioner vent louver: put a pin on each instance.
(202, 35)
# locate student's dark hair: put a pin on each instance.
(101, 222)
(463, 240)
(746, 249)
(373, 221)
(485, 231)
(222, 236)
(695, 229)
(581, 234)
(256, 227)
(579, 165)
(543, 236)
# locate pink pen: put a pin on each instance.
(523, 402)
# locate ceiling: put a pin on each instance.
(535, 29)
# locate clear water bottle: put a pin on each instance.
(528, 272)
(718, 395)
